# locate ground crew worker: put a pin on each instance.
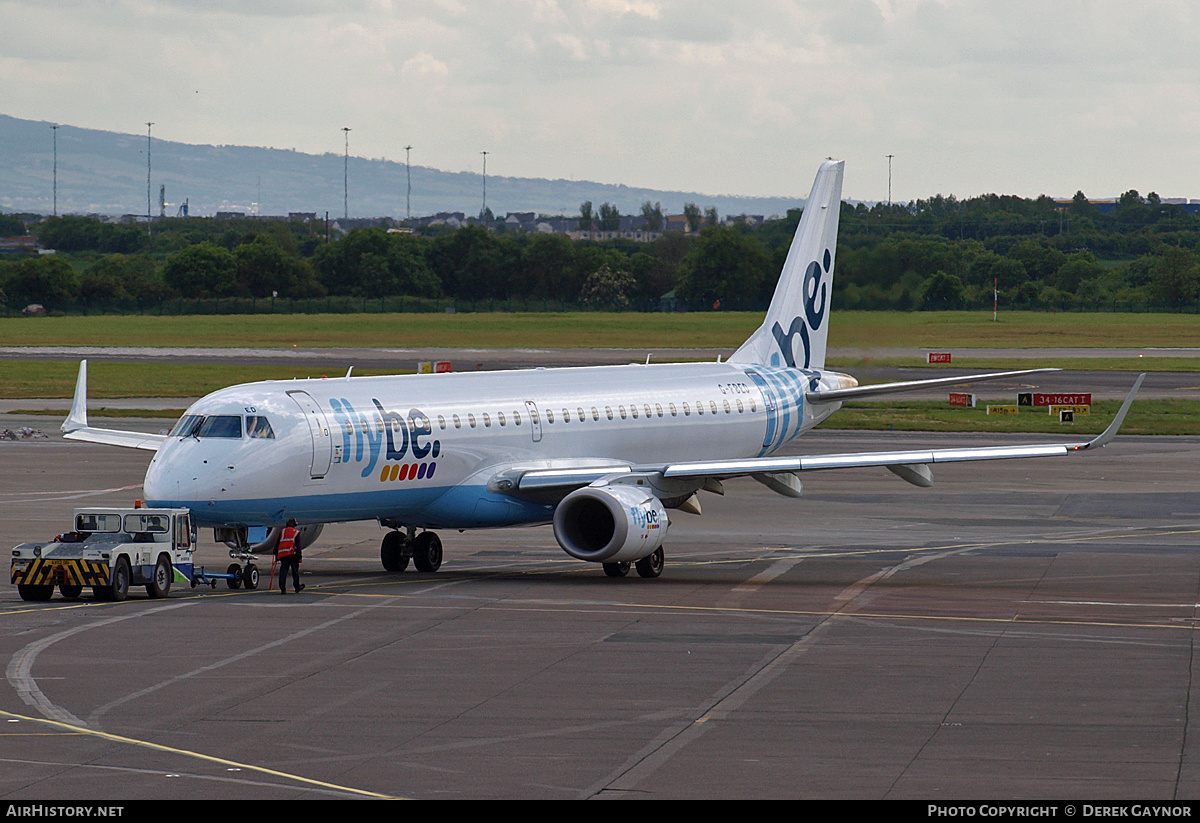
(288, 555)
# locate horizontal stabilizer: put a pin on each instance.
(859, 392)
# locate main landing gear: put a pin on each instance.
(649, 566)
(424, 550)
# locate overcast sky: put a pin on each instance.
(971, 96)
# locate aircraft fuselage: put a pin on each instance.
(420, 449)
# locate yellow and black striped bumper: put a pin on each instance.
(44, 571)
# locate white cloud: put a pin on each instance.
(970, 95)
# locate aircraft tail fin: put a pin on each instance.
(796, 328)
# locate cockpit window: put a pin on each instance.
(221, 425)
(258, 426)
(187, 425)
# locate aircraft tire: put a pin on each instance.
(70, 591)
(652, 564)
(616, 569)
(393, 552)
(160, 584)
(250, 577)
(427, 552)
(233, 582)
(119, 585)
(37, 594)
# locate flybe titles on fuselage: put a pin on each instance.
(379, 431)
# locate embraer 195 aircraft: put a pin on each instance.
(601, 452)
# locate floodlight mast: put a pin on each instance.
(55, 127)
(408, 197)
(149, 216)
(889, 157)
(346, 177)
(483, 213)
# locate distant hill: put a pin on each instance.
(105, 172)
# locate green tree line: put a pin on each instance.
(930, 254)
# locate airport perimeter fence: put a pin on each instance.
(344, 304)
(399, 304)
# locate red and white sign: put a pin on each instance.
(442, 367)
(939, 357)
(962, 399)
(1045, 399)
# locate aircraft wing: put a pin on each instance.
(115, 437)
(909, 385)
(911, 465)
(76, 427)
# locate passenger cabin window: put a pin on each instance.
(259, 426)
(500, 417)
(457, 422)
(221, 425)
(549, 415)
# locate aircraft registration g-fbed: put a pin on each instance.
(601, 452)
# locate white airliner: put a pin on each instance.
(601, 452)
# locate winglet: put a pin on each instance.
(77, 419)
(1111, 432)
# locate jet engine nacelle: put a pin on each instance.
(610, 524)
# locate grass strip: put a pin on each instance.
(1145, 417)
(938, 330)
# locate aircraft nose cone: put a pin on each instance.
(161, 484)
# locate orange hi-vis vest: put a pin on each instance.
(287, 543)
